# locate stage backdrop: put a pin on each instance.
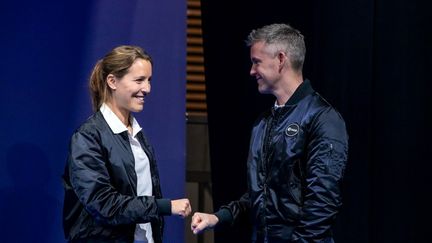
(48, 51)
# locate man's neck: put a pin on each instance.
(287, 88)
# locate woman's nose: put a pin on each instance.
(146, 87)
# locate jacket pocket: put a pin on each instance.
(334, 157)
(294, 182)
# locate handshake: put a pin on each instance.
(200, 221)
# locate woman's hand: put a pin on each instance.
(181, 207)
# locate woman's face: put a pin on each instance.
(129, 92)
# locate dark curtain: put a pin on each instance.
(370, 60)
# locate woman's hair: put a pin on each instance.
(281, 37)
(117, 62)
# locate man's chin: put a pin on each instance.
(263, 90)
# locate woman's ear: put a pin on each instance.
(111, 81)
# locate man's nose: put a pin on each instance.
(252, 71)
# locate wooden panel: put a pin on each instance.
(194, 40)
(195, 96)
(193, 22)
(194, 13)
(194, 59)
(195, 68)
(195, 78)
(196, 105)
(195, 87)
(195, 50)
(194, 31)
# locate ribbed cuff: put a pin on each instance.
(164, 206)
(224, 216)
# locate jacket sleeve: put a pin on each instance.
(230, 213)
(327, 153)
(90, 180)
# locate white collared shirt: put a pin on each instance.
(276, 106)
(143, 232)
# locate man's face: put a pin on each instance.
(265, 68)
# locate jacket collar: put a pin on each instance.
(303, 90)
(114, 122)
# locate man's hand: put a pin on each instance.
(181, 207)
(203, 221)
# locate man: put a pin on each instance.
(298, 150)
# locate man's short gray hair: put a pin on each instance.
(281, 37)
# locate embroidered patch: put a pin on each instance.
(292, 130)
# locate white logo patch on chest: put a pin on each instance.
(292, 129)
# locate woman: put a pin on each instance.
(112, 188)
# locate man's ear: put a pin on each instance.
(283, 60)
(111, 81)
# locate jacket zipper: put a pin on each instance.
(265, 157)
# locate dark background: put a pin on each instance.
(371, 61)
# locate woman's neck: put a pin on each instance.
(122, 114)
